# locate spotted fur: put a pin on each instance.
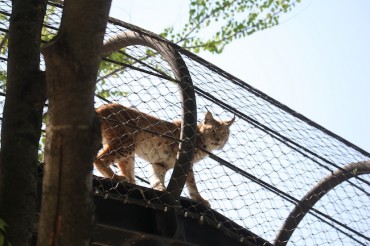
(128, 132)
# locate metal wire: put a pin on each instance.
(273, 157)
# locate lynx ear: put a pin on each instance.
(229, 122)
(208, 117)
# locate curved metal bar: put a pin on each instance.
(315, 194)
(189, 115)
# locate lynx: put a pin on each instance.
(127, 132)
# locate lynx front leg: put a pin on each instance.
(157, 178)
(193, 189)
(127, 167)
(102, 163)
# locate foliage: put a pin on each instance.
(49, 30)
(109, 69)
(211, 26)
(226, 20)
(3, 48)
(3, 241)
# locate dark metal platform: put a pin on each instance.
(133, 215)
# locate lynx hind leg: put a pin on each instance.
(158, 175)
(127, 167)
(103, 161)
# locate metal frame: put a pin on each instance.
(178, 178)
(188, 102)
(315, 194)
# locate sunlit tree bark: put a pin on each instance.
(72, 61)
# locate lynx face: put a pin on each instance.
(214, 133)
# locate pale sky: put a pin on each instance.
(317, 61)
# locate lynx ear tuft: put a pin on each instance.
(230, 121)
(208, 117)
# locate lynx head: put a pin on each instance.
(214, 133)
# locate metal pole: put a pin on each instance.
(315, 194)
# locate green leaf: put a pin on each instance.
(3, 224)
(226, 20)
(2, 239)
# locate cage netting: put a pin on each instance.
(273, 157)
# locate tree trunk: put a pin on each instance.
(73, 135)
(21, 128)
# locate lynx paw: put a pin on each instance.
(203, 201)
(159, 187)
(120, 178)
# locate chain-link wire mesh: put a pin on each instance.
(273, 157)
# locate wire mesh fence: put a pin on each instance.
(272, 158)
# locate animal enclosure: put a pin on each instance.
(273, 158)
